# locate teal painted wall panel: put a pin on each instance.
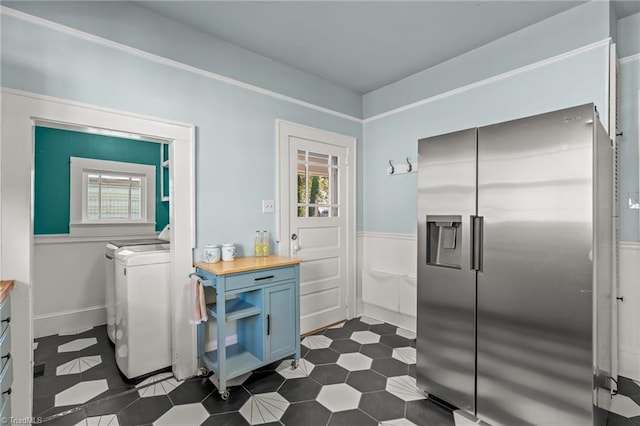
(53, 149)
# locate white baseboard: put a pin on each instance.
(629, 362)
(461, 418)
(391, 317)
(58, 322)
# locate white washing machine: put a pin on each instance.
(142, 309)
(110, 289)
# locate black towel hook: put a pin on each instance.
(410, 166)
(392, 168)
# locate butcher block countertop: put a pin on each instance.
(5, 288)
(245, 264)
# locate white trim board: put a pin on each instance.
(630, 58)
(395, 236)
(130, 116)
(630, 245)
(67, 239)
(44, 23)
(54, 323)
(489, 80)
(395, 318)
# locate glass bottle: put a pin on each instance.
(265, 243)
(257, 245)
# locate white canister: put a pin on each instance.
(211, 253)
(228, 251)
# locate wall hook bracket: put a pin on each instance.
(401, 168)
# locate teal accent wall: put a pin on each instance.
(53, 149)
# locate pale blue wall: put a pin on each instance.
(134, 26)
(628, 40)
(235, 163)
(569, 30)
(630, 86)
(390, 201)
(629, 44)
(236, 126)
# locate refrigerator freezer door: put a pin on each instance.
(446, 283)
(604, 257)
(535, 190)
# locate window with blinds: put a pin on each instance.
(105, 194)
(114, 196)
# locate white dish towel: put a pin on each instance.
(198, 303)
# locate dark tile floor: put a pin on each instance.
(360, 373)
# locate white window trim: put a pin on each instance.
(79, 225)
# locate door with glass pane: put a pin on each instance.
(318, 227)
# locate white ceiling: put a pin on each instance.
(362, 45)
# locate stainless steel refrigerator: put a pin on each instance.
(515, 255)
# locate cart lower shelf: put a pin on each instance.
(238, 361)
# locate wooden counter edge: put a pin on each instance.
(246, 264)
(5, 288)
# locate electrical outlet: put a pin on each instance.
(268, 206)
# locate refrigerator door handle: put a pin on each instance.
(477, 225)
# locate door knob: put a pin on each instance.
(294, 237)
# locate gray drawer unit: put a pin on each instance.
(267, 276)
(5, 314)
(6, 363)
(6, 379)
(6, 410)
(5, 347)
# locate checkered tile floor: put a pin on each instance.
(360, 373)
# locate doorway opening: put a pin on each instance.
(22, 113)
(316, 219)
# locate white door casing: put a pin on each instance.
(325, 235)
(20, 111)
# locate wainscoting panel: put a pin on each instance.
(387, 279)
(629, 311)
(69, 283)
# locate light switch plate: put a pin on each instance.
(268, 206)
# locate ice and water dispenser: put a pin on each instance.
(444, 241)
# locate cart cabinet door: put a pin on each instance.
(280, 324)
